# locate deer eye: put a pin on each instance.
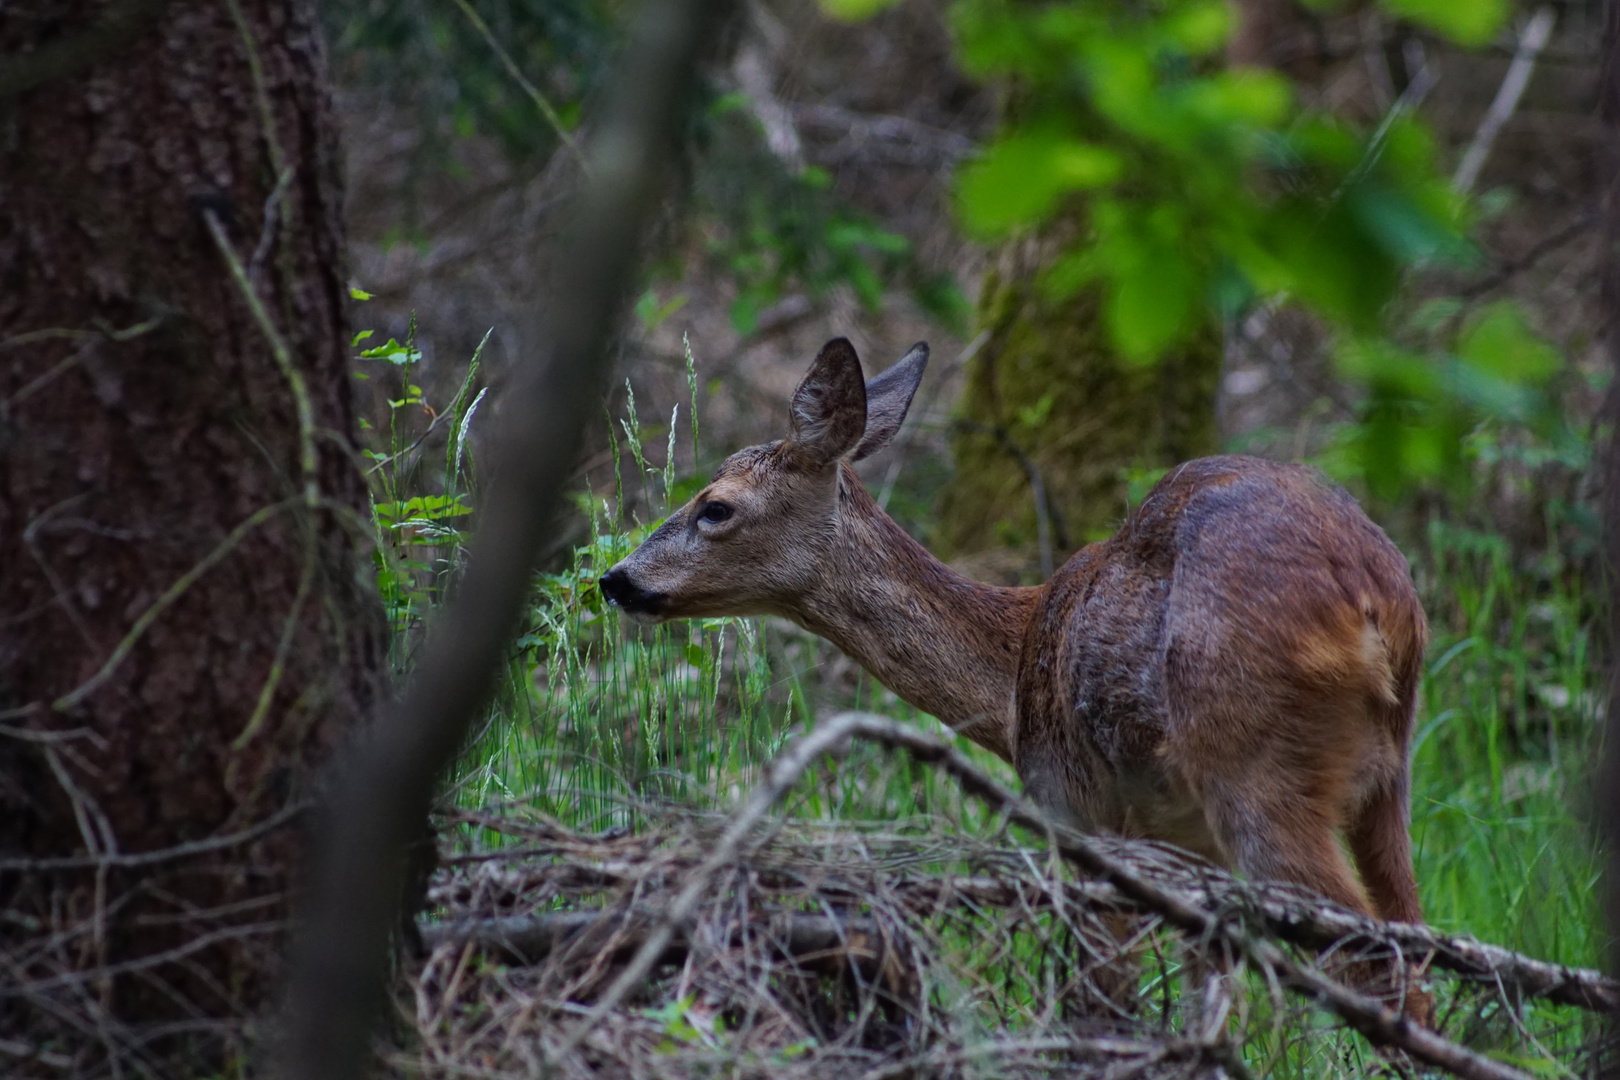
(713, 513)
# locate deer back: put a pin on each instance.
(1247, 622)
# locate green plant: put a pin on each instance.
(1179, 188)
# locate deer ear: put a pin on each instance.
(829, 407)
(888, 397)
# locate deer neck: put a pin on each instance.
(944, 643)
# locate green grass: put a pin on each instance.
(1506, 733)
(598, 720)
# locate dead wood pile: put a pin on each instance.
(754, 946)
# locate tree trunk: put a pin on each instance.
(1047, 385)
(183, 629)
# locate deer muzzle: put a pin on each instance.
(623, 593)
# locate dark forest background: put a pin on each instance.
(269, 277)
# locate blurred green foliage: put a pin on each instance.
(1200, 185)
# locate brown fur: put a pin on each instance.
(1235, 671)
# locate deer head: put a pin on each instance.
(754, 539)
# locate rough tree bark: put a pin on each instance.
(183, 631)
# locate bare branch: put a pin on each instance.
(540, 100)
(1531, 41)
(527, 939)
(169, 854)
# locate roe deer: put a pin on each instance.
(1235, 671)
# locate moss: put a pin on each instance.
(1049, 378)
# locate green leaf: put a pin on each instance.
(1033, 416)
(814, 176)
(430, 507)
(731, 102)
(1122, 78)
(1200, 28)
(1258, 98)
(695, 655)
(1499, 343)
(1148, 308)
(393, 352)
(1403, 228)
(1488, 394)
(794, 1051)
(1378, 363)
(745, 311)
(855, 10)
(651, 313)
(358, 293)
(1020, 179)
(1467, 22)
(361, 336)
(1334, 263)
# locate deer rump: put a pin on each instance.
(1235, 672)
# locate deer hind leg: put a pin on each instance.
(1379, 840)
(1281, 835)
(1288, 837)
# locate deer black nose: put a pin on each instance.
(619, 589)
(617, 586)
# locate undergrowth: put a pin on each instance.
(596, 719)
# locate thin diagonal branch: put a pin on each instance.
(1531, 41)
(378, 800)
(540, 100)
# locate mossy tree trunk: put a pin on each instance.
(184, 626)
(1048, 386)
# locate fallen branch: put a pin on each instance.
(1181, 908)
(1307, 921)
(785, 771)
(1319, 925)
(529, 939)
(1368, 1016)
